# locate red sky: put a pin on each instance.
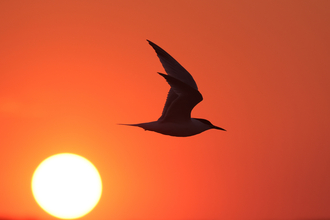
(71, 70)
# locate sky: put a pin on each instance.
(70, 71)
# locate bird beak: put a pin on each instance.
(216, 127)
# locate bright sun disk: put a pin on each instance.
(66, 186)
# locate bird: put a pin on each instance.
(182, 97)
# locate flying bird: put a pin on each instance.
(182, 98)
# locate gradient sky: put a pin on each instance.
(71, 70)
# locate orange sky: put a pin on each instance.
(71, 70)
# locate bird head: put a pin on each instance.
(209, 125)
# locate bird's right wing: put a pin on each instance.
(173, 67)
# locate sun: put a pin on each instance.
(66, 186)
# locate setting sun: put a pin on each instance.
(66, 186)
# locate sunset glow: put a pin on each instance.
(72, 71)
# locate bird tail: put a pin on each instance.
(128, 124)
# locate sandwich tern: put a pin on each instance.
(181, 99)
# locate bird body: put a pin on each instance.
(182, 98)
(183, 129)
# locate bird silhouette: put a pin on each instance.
(182, 98)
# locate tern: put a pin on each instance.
(181, 99)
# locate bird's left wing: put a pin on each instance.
(186, 99)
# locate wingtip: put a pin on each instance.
(162, 74)
(150, 42)
(157, 48)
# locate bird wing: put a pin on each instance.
(186, 99)
(171, 96)
(174, 69)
